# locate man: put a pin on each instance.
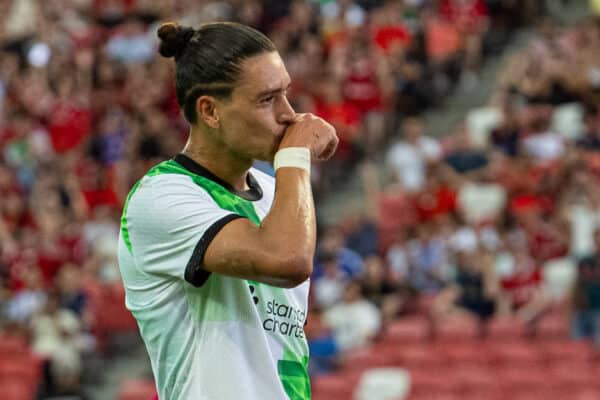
(214, 258)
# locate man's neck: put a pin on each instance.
(217, 158)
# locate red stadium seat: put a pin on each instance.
(476, 379)
(417, 356)
(433, 380)
(505, 329)
(407, 330)
(575, 374)
(21, 366)
(518, 354)
(137, 390)
(562, 351)
(424, 302)
(479, 393)
(432, 395)
(584, 394)
(107, 305)
(553, 326)
(11, 344)
(17, 389)
(367, 358)
(532, 393)
(457, 329)
(334, 386)
(476, 352)
(523, 377)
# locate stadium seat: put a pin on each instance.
(457, 329)
(407, 330)
(479, 393)
(21, 366)
(417, 356)
(334, 386)
(434, 396)
(137, 390)
(17, 389)
(532, 393)
(433, 380)
(566, 351)
(476, 378)
(363, 359)
(574, 374)
(583, 394)
(476, 353)
(424, 302)
(107, 305)
(505, 329)
(553, 326)
(10, 344)
(518, 354)
(518, 377)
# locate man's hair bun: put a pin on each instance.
(173, 39)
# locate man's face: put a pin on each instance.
(254, 119)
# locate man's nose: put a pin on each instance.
(286, 115)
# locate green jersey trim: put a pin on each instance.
(124, 229)
(222, 196)
(293, 374)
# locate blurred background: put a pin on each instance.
(459, 250)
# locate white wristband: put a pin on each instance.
(296, 157)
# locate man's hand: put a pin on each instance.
(311, 132)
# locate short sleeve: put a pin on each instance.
(171, 222)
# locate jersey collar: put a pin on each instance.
(255, 192)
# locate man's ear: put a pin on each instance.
(206, 107)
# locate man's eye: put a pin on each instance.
(267, 99)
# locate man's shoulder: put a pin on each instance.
(163, 192)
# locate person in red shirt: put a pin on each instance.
(522, 293)
(388, 31)
(70, 121)
(437, 198)
(344, 115)
(470, 18)
(365, 86)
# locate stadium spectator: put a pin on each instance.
(355, 321)
(586, 298)
(324, 350)
(408, 159)
(392, 297)
(87, 107)
(428, 259)
(475, 291)
(29, 299)
(55, 333)
(521, 289)
(329, 287)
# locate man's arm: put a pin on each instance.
(280, 251)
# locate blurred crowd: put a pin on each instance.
(87, 106)
(498, 219)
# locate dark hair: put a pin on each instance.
(208, 59)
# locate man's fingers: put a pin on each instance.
(329, 149)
